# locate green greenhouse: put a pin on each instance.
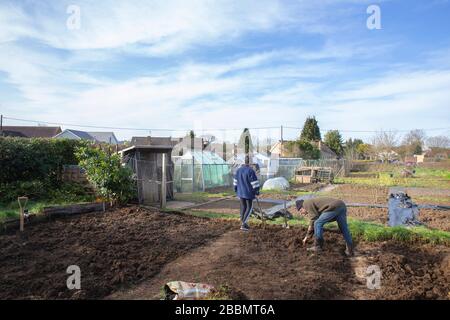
(200, 170)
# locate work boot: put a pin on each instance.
(318, 244)
(349, 250)
(245, 227)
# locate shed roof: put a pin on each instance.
(146, 147)
(144, 141)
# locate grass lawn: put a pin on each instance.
(424, 177)
(360, 230)
(11, 210)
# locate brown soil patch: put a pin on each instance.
(112, 249)
(272, 264)
(360, 194)
(377, 215)
(436, 219)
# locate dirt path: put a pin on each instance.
(240, 261)
(192, 267)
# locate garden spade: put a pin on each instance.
(22, 204)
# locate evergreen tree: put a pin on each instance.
(308, 150)
(351, 148)
(333, 140)
(311, 131)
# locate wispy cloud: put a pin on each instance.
(220, 63)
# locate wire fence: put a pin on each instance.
(190, 176)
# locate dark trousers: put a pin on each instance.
(246, 209)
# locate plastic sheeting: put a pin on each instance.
(180, 290)
(279, 183)
(402, 211)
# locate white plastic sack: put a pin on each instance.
(180, 290)
(279, 183)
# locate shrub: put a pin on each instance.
(111, 180)
(41, 190)
(35, 159)
(32, 189)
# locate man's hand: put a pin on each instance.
(305, 240)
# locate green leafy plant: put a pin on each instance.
(111, 180)
(35, 159)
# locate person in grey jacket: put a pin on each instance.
(320, 211)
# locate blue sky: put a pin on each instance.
(227, 64)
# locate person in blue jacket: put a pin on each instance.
(246, 186)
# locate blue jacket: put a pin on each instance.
(245, 182)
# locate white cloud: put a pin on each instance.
(166, 27)
(263, 88)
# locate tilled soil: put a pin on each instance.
(131, 254)
(271, 263)
(352, 193)
(411, 272)
(112, 249)
(436, 219)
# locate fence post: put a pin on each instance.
(163, 182)
(193, 172)
(138, 183)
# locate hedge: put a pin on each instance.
(35, 159)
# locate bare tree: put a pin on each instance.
(383, 143)
(414, 141)
(438, 142)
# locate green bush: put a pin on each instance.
(111, 180)
(35, 159)
(31, 189)
(46, 191)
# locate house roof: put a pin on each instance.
(8, 133)
(80, 134)
(325, 149)
(33, 131)
(107, 137)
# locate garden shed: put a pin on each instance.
(148, 163)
